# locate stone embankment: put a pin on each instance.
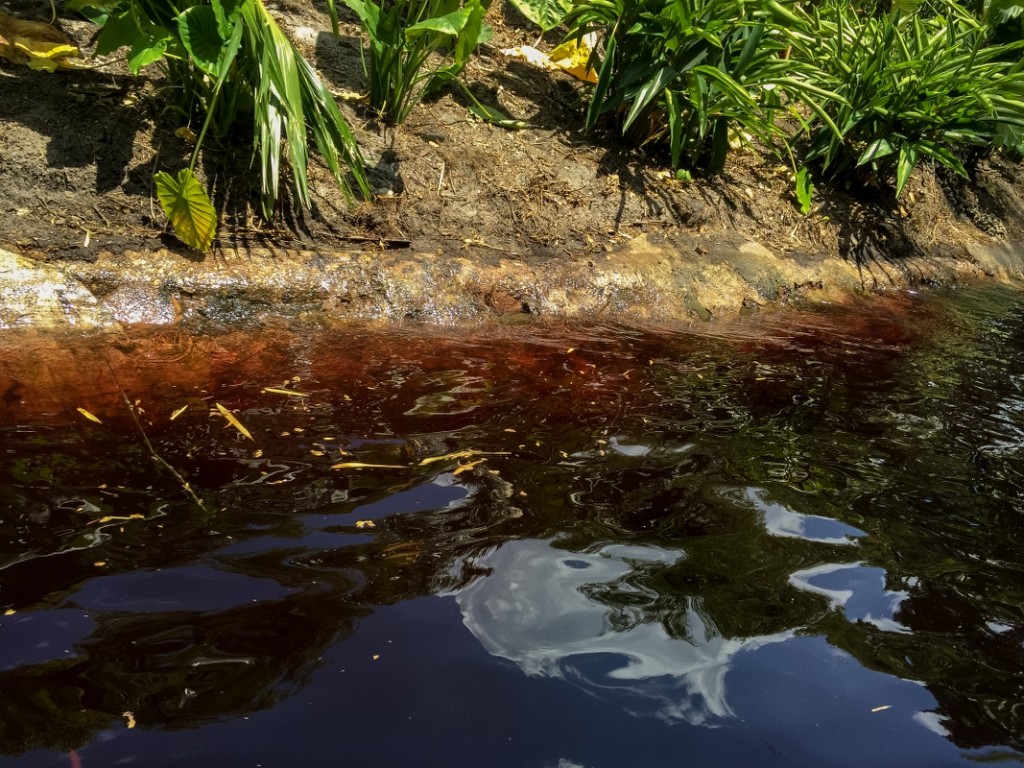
(640, 281)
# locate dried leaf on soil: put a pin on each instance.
(38, 45)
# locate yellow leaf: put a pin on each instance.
(469, 453)
(466, 467)
(9, 612)
(187, 135)
(283, 391)
(365, 524)
(88, 415)
(40, 46)
(232, 420)
(129, 719)
(178, 412)
(361, 465)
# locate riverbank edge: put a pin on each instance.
(690, 279)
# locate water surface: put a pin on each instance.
(791, 541)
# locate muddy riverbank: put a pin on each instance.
(470, 220)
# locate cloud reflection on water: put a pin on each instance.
(534, 610)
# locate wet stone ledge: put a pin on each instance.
(696, 279)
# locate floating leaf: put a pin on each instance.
(283, 391)
(129, 719)
(89, 416)
(234, 422)
(361, 465)
(365, 524)
(186, 204)
(467, 454)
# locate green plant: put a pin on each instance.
(232, 66)
(546, 14)
(914, 86)
(403, 35)
(693, 72)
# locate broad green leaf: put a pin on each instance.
(546, 14)
(150, 46)
(227, 13)
(188, 207)
(200, 34)
(449, 24)
(118, 32)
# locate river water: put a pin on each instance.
(794, 540)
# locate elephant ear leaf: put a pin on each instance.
(188, 207)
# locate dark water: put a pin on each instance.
(796, 541)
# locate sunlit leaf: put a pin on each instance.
(365, 524)
(40, 46)
(546, 14)
(188, 207)
(178, 412)
(466, 454)
(804, 190)
(234, 422)
(89, 416)
(283, 391)
(362, 465)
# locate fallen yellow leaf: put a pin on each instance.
(466, 467)
(129, 719)
(89, 416)
(362, 465)
(37, 45)
(234, 422)
(178, 412)
(283, 391)
(365, 524)
(467, 454)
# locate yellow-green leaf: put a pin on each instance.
(232, 420)
(187, 205)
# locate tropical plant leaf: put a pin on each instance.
(149, 47)
(118, 31)
(188, 207)
(449, 24)
(546, 14)
(200, 34)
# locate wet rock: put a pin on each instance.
(34, 294)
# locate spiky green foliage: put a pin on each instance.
(229, 64)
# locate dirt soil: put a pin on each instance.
(545, 219)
